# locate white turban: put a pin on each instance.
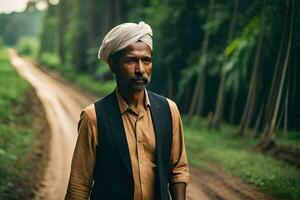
(124, 35)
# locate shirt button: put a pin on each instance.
(141, 162)
(139, 141)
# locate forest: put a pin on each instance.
(225, 63)
(228, 61)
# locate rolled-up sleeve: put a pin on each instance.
(81, 176)
(179, 171)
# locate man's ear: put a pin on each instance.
(111, 65)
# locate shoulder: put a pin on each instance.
(87, 126)
(174, 110)
(89, 113)
(106, 99)
(173, 106)
(156, 97)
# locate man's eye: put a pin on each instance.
(130, 61)
(147, 61)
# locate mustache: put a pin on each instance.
(139, 78)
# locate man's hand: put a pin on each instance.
(178, 191)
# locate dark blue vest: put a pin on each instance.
(113, 178)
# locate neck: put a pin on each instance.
(134, 99)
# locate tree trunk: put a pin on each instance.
(233, 106)
(247, 113)
(255, 130)
(252, 105)
(218, 115)
(169, 87)
(275, 81)
(286, 110)
(279, 120)
(198, 93)
(293, 96)
(200, 102)
(61, 31)
(269, 134)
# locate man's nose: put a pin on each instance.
(140, 68)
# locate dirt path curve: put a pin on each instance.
(63, 106)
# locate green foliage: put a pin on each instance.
(179, 29)
(16, 136)
(28, 46)
(239, 52)
(208, 147)
(100, 88)
(290, 138)
(50, 60)
(249, 32)
(49, 35)
(1, 42)
(220, 15)
(16, 25)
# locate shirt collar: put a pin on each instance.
(124, 106)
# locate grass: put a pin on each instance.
(291, 138)
(99, 88)
(207, 148)
(16, 135)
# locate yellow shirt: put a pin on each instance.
(140, 137)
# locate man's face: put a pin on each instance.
(133, 72)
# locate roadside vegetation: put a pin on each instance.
(210, 150)
(92, 83)
(28, 47)
(231, 66)
(16, 133)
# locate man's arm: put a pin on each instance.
(83, 162)
(178, 191)
(179, 171)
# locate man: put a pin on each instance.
(130, 143)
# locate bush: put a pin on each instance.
(50, 60)
(28, 46)
(16, 135)
(1, 42)
(100, 88)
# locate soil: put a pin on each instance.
(288, 154)
(216, 184)
(63, 105)
(37, 158)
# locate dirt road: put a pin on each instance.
(63, 105)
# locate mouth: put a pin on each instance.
(139, 81)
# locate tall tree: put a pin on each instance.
(62, 25)
(199, 90)
(217, 117)
(49, 36)
(268, 136)
(251, 97)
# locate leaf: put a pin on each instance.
(2, 152)
(232, 46)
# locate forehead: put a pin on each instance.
(138, 48)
